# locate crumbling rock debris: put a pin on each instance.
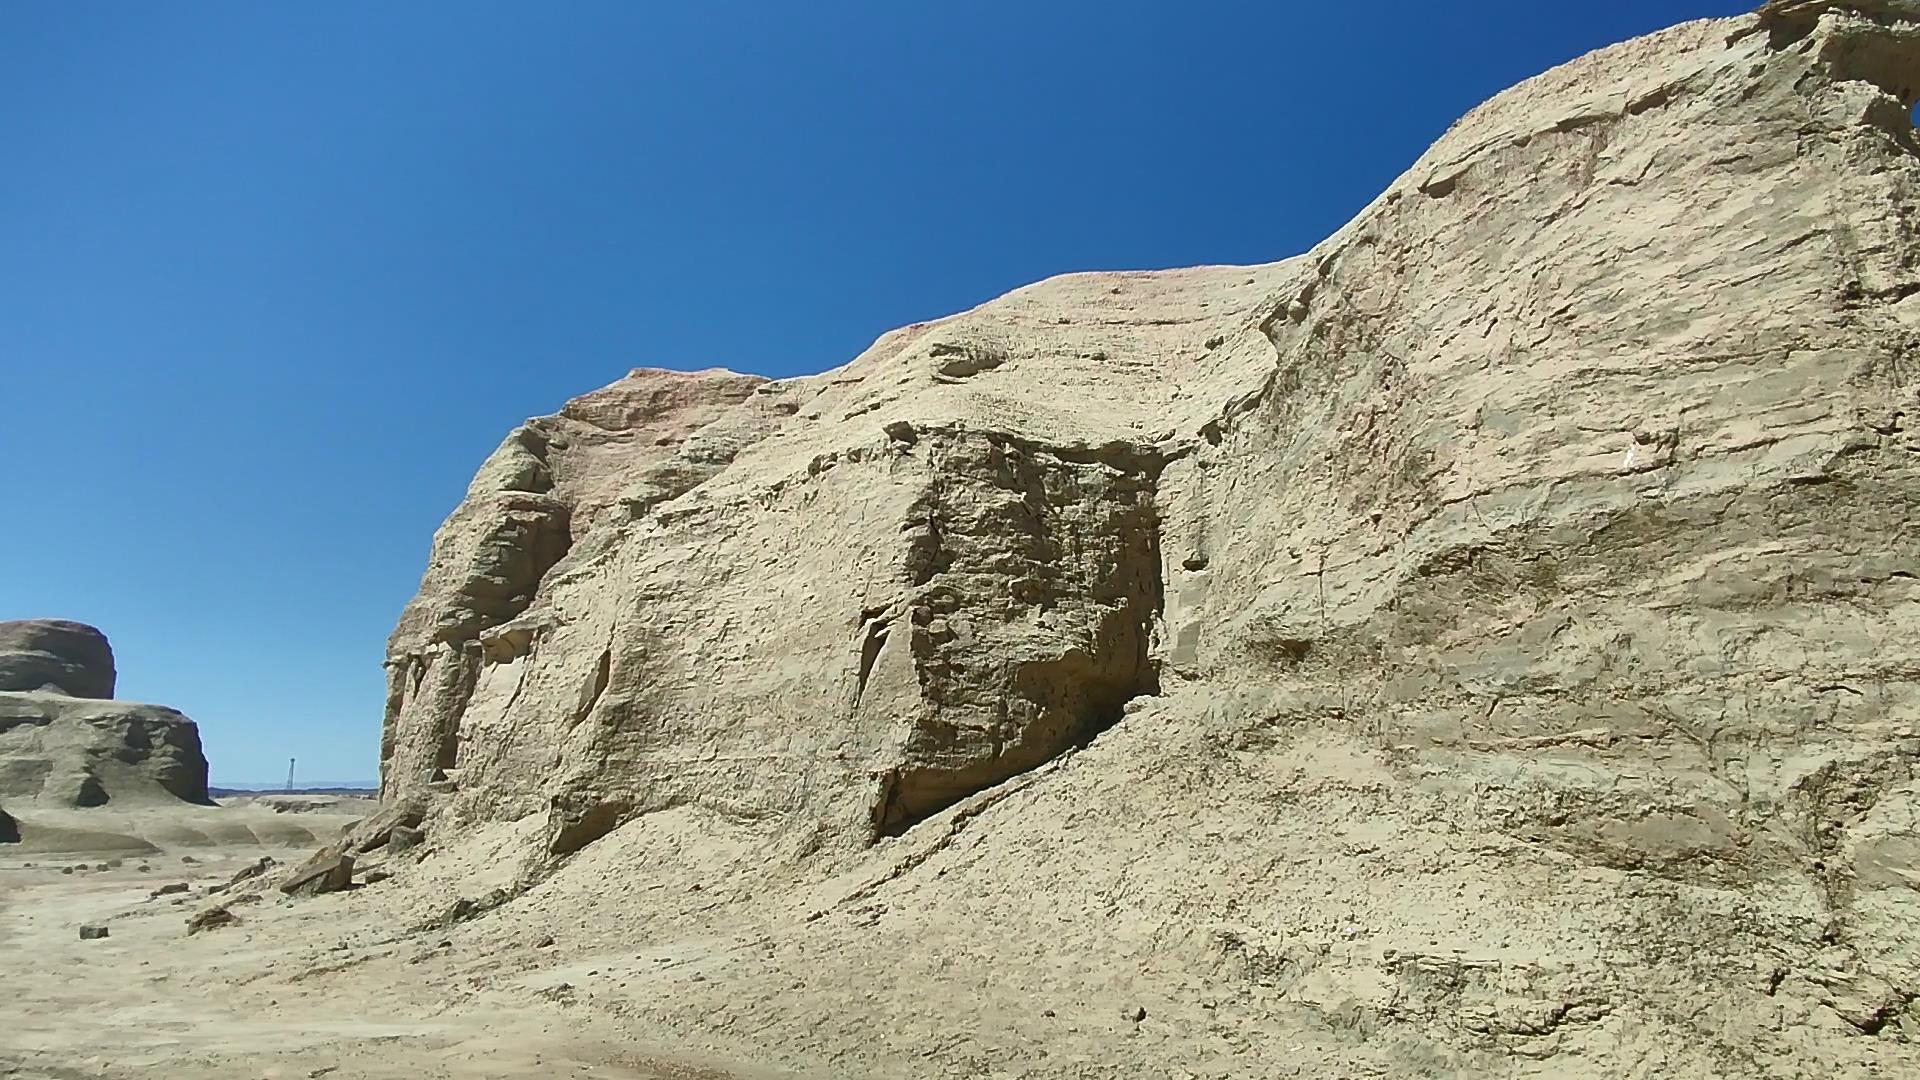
(468, 907)
(212, 918)
(328, 871)
(377, 831)
(250, 871)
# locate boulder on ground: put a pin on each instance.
(91, 932)
(211, 919)
(250, 871)
(375, 832)
(328, 871)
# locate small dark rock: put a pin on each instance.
(212, 919)
(1133, 1014)
(92, 933)
(169, 890)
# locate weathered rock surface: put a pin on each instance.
(213, 918)
(65, 742)
(55, 655)
(328, 872)
(1487, 641)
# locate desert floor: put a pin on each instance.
(275, 995)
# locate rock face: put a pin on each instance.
(1496, 626)
(65, 742)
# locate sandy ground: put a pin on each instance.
(270, 997)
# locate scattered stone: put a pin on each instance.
(325, 873)
(404, 838)
(1133, 1014)
(169, 890)
(92, 932)
(467, 908)
(379, 830)
(212, 919)
(545, 942)
(251, 870)
(188, 859)
(375, 877)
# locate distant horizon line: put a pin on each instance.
(280, 785)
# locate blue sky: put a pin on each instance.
(274, 278)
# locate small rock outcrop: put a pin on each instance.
(329, 871)
(65, 741)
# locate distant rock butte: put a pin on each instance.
(65, 742)
(57, 656)
(1543, 537)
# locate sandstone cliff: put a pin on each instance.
(65, 742)
(1487, 638)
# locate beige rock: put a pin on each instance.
(55, 655)
(328, 871)
(1483, 644)
(65, 743)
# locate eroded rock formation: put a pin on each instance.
(1498, 624)
(64, 741)
(57, 656)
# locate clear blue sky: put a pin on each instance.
(275, 277)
